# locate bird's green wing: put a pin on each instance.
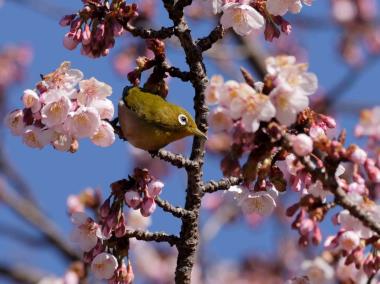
(152, 108)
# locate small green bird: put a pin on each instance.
(149, 122)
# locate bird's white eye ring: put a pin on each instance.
(182, 119)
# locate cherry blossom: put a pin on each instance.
(104, 265)
(86, 232)
(15, 122)
(91, 90)
(104, 136)
(242, 18)
(318, 270)
(302, 144)
(281, 7)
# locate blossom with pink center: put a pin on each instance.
(104, 107)
(133, 199)
(369, 124)
(302, 144)
(316, 132)
(31, 100)
(35, 137)
(74, 204)
(105, 136)
(349, 240)
(252, 107)
(293, 165)
(84, 122)
(350, 223)
(155, 188)
(104, 265)
(227, 92)
(63, 78)
(220, 119)
(86, 232)
(281, 7)
(259, 202)
(358, 156)
(318, 270)
(57, 107)
(288, 103)
(316, 189)
(92, 89)
(15, 122)
(61, 141)
(212, 92)
(148, 206)
(275, 65)
(242, 18)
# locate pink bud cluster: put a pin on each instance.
(96, 25)
(142, 195)
(56, 112)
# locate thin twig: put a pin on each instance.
(20, 274)
(207, 42)
(163, 33)
(176, 211)
(175, 72)
(175, 159)
(152, 237)
(223, 184)
(27, 211)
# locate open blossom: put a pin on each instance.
(104, 107)
(35, 137)
(288, 103)
(212, 92)
(260, 202)
(369, 124)
(349, 240)
(104, 265)
(281, 7)
(302, 144)
(15, 122)
(31, 100)
(220, 119)
(132, 199)
(84, 122)
(57, 107)
(92, 89)
(105, 136)
(242, 18)
(155, 188)
(318, 270)
(86, 232)
(252, 107)
(64, 78)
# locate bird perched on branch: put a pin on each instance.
(149, 122)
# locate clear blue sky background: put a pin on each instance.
(54, 175)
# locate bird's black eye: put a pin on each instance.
(182, 119)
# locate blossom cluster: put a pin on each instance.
(96, 238)
(13, 60)
(96, 25)
(56, 112)
(241, 103)
(244, 16)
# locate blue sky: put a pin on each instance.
(54, 175)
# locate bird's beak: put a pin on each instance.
(199, 133)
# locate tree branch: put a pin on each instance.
(20, 275)
(152, 237)
(163, 33)
(27, 211)
(175, 159)
(175, 72)
(207, 42)
(174, 210)
(223, 184)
